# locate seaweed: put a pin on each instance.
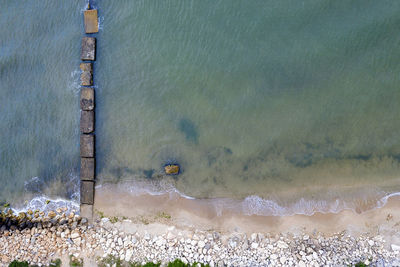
(188, 128)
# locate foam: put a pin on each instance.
(256, 205)
(40, 203)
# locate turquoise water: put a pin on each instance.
(284, 100)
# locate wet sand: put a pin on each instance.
(190, 214)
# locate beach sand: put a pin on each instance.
(157, 212)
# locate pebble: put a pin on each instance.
(38, 245)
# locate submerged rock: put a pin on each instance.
(171, 169)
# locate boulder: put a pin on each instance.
(87, 121)
(86, 78)
(87, 98)
(86, 66)
(88, 50)
(87, 192)
(87, 146)
(87, 169)
(91, 21)
(87, 74)
(171, 169)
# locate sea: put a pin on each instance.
(286, 107)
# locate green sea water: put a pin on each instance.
(285, 100)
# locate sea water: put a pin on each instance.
(39, 99)
(277, 104)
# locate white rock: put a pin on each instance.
(395, 247)
(306, 237)
(302, 264)
(74, 235)
(120, 243)
(282, 245)
(371, 243)
(128, 255)
(253, 237)
(274, 256)
(201, 244)
(160, 242)
(254, 245)
(170, 236)
(282, 259)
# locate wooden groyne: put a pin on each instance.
(87, 121)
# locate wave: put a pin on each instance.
(250, 205)
(45, 204)
(256, 205)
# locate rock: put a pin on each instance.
(87, 98)
(282, 245)
(128, 255)
(91, 21)
(282, 259)
(274, 256)
(86, 66)
(254, 245)
(302, 264)
(87, 74)
(201, 244)
(371, 243)
(87, 121)
(51, 214)
(216, 235)
(75, 235)
(395, 247)
(160, 242)
(254, 237)
(88, 50)
(87, 145)
(171, 169)
(170, 236)
(84, 221)
(87, 169)
(87, 192)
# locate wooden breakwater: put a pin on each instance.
(87, 120)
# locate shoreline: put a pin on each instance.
(162, 228)
(317, 240)
(189, 214)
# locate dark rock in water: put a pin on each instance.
(87, 192)
(87, 121)
(91, 21)
(86, 75)
(87, 98)
(188, 128)
(87, 146)
(87, 169)
(172, 169)
(88, 50)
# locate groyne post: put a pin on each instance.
(87, 120)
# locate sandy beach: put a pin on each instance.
(193, 214)
(138, 229)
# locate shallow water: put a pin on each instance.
(281, 100)
(288, 101)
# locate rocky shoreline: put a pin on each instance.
(39, 238)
